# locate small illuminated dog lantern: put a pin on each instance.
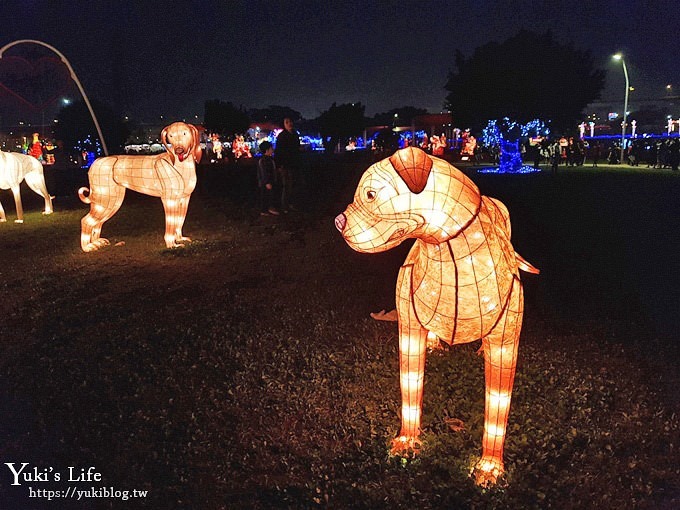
(460, 281)
(170, 176)
(14, 168)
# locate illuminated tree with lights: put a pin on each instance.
(506, 136)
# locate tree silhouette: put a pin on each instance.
(274, 113)
(528, 76)
(75, 124)
(341, 121)
(225, 118)
(404, 114)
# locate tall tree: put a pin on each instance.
(75, 124)
(341, 121)
(225, 118)
(528, 76)
(274, 113)
(404, 115)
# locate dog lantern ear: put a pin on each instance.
(413, 166)
(164, 141)
(197, 151)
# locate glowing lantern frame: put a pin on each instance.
(459, 283)
(14, 168)
(170, 176)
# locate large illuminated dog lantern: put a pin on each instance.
(170, 176)
(14, 168)
(460, 281)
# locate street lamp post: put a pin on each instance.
(619, 56)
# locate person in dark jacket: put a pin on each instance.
(287, 160)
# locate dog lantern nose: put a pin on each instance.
(340, 222)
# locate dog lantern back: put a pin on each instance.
(170, 176)
(460, 281)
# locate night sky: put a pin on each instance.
(166, 58)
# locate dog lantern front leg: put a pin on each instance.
(16, 191)
(174, 220)
(412, 352)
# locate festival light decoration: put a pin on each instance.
(170, 176)
(506, 136)
(36, 149)
(240, 148)
(15, 168)
(460, 281)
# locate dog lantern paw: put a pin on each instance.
(405, 446)
(487, 471)
(95, 245)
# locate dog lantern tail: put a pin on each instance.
(84, 195)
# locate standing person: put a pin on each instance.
(674, 155)
(266, 175)
(563, 149)
(555, 154)
(287, 160)
(595, 152)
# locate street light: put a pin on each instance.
(619, 56)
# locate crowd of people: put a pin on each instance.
(655, 153)
(279, 162)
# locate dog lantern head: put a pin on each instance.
(409, 194)
(180, 140)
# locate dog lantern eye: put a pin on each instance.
(370, 195)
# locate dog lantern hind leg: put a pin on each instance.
(105, 198)
(35, 179)
(500, 348)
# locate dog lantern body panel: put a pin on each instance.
(459, 286)
(170, 176)
(460, 281)
(14, 168)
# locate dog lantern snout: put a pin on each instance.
(459, 283)
(340, 222)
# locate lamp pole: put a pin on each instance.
(73, 76)
(618, 56)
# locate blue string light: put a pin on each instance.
(506, 136)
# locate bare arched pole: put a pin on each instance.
(73, 76)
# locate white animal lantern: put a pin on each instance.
(14, 168)
(459, 283)
(170, 176)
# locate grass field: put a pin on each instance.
(244, 371)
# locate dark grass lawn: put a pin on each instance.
(244, 371)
